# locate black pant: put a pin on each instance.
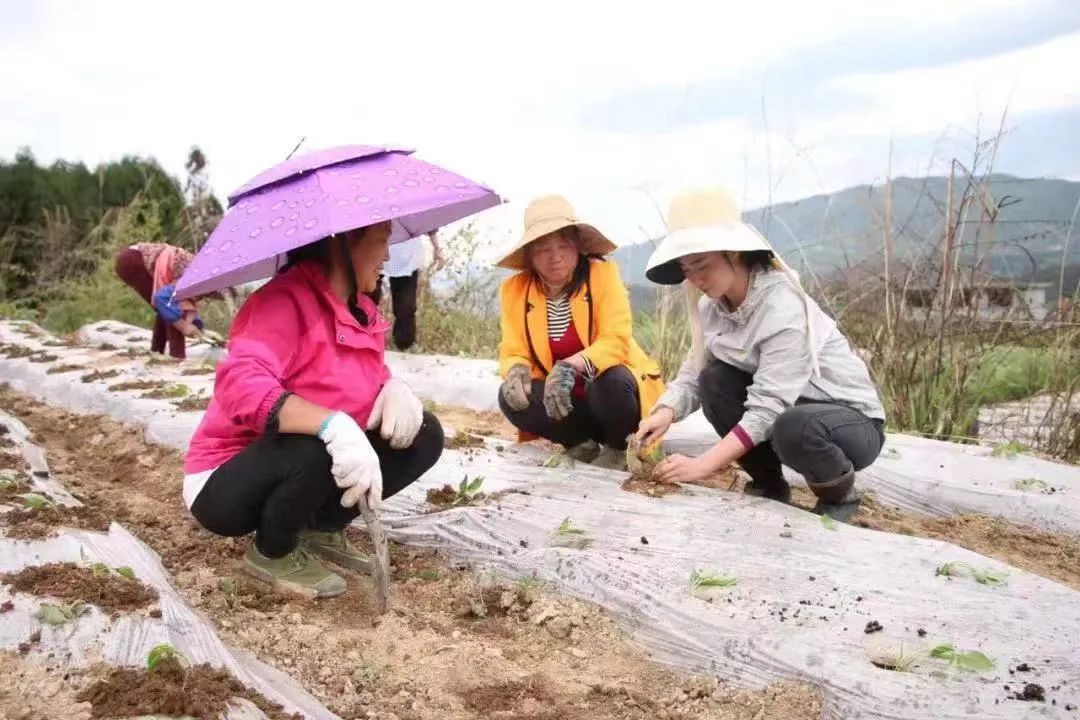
(609, 412)
(280, 485)
(821, 441)
(403, 301)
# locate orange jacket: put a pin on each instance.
(609, 329)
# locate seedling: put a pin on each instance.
(566, 527)
(468, 490)
(62, 614)
(554, 460)
(35, 502)
(100, 569)
(8, 484)
(902, 661)
(125, 572)
(982, 576)
(700, 579)
(1028, 484)
(160, 653)
(828, 523)
(1009, 450)
(971, 660)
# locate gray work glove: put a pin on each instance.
(517, 387)
(560, 382)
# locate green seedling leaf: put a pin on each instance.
(8, 483)
(944, 652)
(99, 569)
(33, 501)
(566, 527)
(468, 490)
(126, 572)
(1028, 484)
(709, 578)
(554, 460)
(988, 577)
(971, 660)
(828, 523)
(56, 615)
(1009, 449)
(952, 569)
(980, 575)
(160, 653)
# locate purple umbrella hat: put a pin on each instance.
(322, 193)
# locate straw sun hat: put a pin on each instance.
(549, 214)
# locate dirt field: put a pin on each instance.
(454, 646)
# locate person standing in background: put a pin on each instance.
(403, 269)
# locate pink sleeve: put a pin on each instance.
(261, 345)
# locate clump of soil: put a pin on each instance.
(100, 375)
(135, 385)
(42, 358)
(23, 524)
(159, 359)
(1031, 692)
(169, 689)
(66, 368)
(529, 698)
(443, 497)
(872, 627)
(643, 484)
(193, 404)
(107, 346)
(463, 439)
(167, 392)
(74, 583)
(15, 352)
(198, 371)
(10, 461)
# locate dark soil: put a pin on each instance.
(11, 462)
(100, 375)
(443, 497)
(514, 695)
(201, 691)
(7, 607)
(193, 404)
(463, 439)
(57, 369)
(42, 358)
(166, 392)
(198, 371)
(136, 385)
(15, 352)
(872, 627)
(1032, 692)
(73, 583)
(106, 346)
(643, 484)
(21, 524)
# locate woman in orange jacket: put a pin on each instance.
(573, 373)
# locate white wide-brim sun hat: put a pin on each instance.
(705, 220)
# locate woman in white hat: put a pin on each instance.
(573, 373)
(772, 372)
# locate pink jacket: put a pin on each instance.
(293, 334)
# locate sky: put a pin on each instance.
(615, 105)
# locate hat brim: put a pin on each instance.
(593, 242)
(663, 267)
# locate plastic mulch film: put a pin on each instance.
(930, 477)
(803, 595)
(127, 639)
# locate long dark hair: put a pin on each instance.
(757, 259)
(320, 251)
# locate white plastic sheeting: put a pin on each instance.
(127, 639)
(805, 592)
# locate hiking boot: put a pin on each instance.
(335, 547)
(773, 489)
(837, 499)
(297, 572)
(611, 459)
(585, 452)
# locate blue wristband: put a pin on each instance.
(325, 423)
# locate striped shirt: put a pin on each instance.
(558, 318)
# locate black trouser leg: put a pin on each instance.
(572, 430)
(403, 297)
(722, 389)
(282, 484)
(823, 441)
(612, 400)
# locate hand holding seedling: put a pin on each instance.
(682, 469)
(654, 427)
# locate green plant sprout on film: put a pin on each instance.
(903, 661)
(61, 614)
(100, 569)
(468, 490)
(35, 502)
(160, 653)
(554, 460)
(1028, 484)
(993, 578)
(828, 523)
(1009, 450)
(700, 579)
(971, 660)
(566, 527)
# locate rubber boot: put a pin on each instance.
(773, 488)
(297, 572)
(585, 452)
(336, 548)
(611, 459)
(837, 498)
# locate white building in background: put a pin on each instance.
(990, 300)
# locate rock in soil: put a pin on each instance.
(169, 689)
(66, 581)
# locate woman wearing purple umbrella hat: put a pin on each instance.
(306, 421)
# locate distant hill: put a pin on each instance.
(835, 232)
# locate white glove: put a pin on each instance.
(355, 464)
(399, 411)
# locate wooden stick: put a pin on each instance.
(380, 565)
